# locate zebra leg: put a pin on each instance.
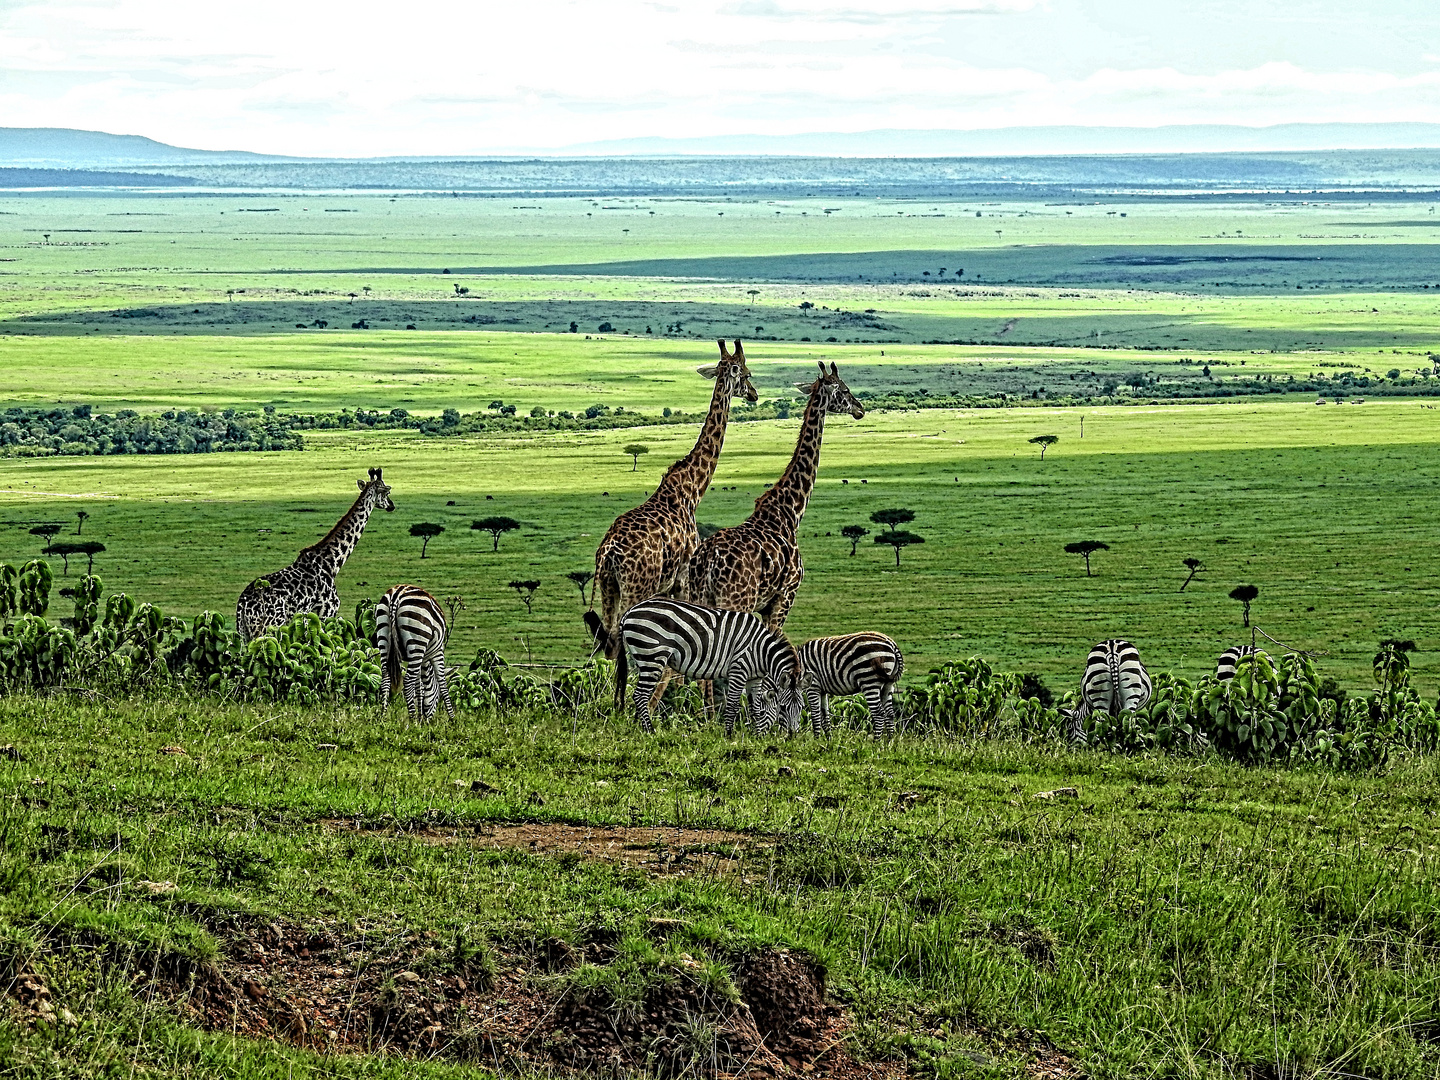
(760, 717)
(887, 699)
(734, 688)
(442, 682)
(645, 679)
(413, 703)
(876, 705)
(385, 688)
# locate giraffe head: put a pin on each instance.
(734, 376)
(376, 492)
(834, 395)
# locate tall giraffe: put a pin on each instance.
(308, 584)
(756, 566)
(647, 550)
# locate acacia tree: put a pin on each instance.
(635, 450)
(898, 540)
(80, 524)
(854, 533)
(1087, 548)
(1195, 566)
(89, 548)
(427, 531)
(46, 533)
(64, 549)
(1045, 442)
(1246, 594)
(526, 591)
(581, 578)
(898, 516)
(495, 526)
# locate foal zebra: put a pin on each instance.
(864, 663)
(1114, 681)
(410, 633)
(1230, 660)
(702, 643)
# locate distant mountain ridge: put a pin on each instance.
(70, 148)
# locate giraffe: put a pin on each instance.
(308, 584)
(756, 566)
(647, 550)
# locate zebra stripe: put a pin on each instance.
(1114, 681)
(702, 643)
(410, 633)
(863, 663)
(1230, 659)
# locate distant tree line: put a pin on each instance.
(76, 430)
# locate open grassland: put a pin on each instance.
(1330, 511)
(428, 372)
(1172, 918)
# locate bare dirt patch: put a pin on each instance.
(656, 850)
(280, 981)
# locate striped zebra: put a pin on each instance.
(702, 643)
(864, 663)
(410, 633)
(1230, 660)
(1114, 681)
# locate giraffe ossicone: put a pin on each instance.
(308, 584)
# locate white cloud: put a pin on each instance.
(299, 76)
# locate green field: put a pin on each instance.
(191, 879)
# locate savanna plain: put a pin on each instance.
(200, 885)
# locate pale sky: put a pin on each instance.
(474, 76)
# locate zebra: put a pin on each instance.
(863, 663)
(1230, 660)
(1114, 681)
(703, 643)
(410, 632)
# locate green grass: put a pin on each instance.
(1184, 919)
(1322, 508)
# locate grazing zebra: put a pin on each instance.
(1114, 681)
(702, 643)
(864, 663)
(1231, 657)
(410, 633)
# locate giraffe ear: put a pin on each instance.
(709, 371)
(360, 484)
(804, 387)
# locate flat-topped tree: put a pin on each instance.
(89, 548)
(427, 531)
(1246, 594)
(526, 591)
(1087, 548)
(635, 450)
(854, 533)
(892, 518)
(898, 539)
(1044, 442)
(495, 526)
(1195, 566)
(47, 533)
(580, 578)
(65, 548)
(81, 515)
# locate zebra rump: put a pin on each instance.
(705, 643)
(410, 632)
(1115, 681)
(862, 663)
(1229, 661)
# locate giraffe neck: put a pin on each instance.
(328, 555)
(784, 504)
(689, 478)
